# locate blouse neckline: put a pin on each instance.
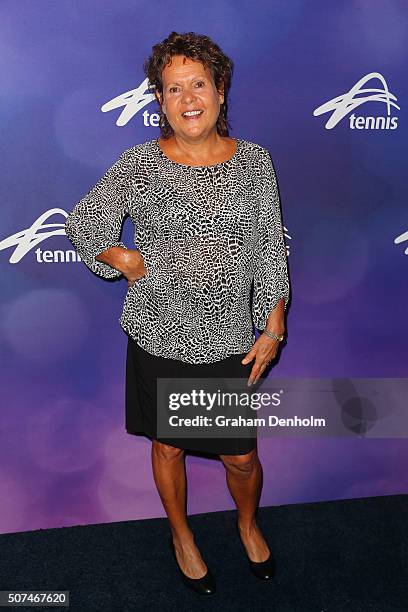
(220, 164)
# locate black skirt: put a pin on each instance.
(142, 371)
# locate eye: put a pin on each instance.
(202, 82)
(171, 88)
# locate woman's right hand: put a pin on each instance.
(129, 262)
(133, 267)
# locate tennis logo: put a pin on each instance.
(30, 237)
(131, 102)
(346, 103)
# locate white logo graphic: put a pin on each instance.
(402, 238)
(133, 101)
(25, 240)
(344, 104)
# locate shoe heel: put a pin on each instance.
(264, 570)
(204, 585)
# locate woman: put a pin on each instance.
(207, 223)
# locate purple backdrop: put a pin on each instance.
(65, 69)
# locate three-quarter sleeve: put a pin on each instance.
(271, 281)
(95, 222)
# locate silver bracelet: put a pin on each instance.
(273, 335)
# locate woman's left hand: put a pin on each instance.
(263, 350)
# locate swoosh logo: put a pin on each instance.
(132, 101)
(344, 104)
(402, 238)
(28, 238)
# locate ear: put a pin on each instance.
(159, 99)
(221, 92)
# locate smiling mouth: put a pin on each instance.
(192, 114)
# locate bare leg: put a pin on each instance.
(244, 480)
(169, 474)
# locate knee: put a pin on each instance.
(166, 451)
(240, 464)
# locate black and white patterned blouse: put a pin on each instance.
(206, 233)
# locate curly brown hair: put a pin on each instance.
(199, 48)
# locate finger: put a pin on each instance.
(255, 372)
(263, 364)
(250, 356)
(258, 377)
(269, 357)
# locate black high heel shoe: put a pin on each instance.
(204, 585)
(265, 570)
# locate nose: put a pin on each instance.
(188, 96)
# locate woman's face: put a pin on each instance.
(188, 86)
